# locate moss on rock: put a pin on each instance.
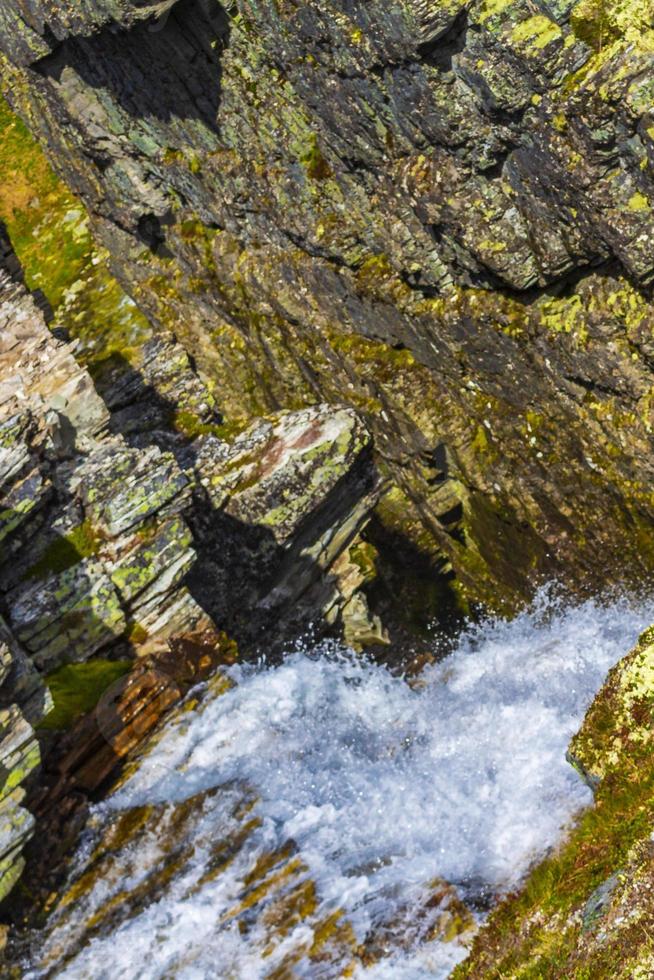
(77, 688)
(584, 912)
(67, 551)
(50, 232)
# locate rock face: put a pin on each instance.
(90, 755)
(85, 565)
(436, 213)
(97, 523)
(37, 29)
(274, 512)
(585, 911)
(90, 526)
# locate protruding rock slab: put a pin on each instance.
(281, 504)
(618, 726)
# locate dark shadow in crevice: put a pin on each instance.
(413, 595)
(140, 413)
(150, 230)
(161, 71)
(440, 53)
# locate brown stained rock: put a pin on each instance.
(128, 712)
(279, 472)
(82, 764)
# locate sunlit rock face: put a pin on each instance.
(93, 539)
(436, 213)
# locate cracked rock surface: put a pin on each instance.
(438, 213)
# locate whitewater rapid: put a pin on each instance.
(382, 786)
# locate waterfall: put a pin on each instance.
(325, 815)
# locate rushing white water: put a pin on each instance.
(382, 786)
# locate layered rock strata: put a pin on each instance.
(276, 509)
(94, 547)
(436, 213)
(97, 522)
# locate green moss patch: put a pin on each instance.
(544, 930)
(314, 162)
(601, 22)
(49, 230)
(77, 688)
(191, 426)
(67, 551)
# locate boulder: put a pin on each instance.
(279, 506)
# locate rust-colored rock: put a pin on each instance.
(128, 712)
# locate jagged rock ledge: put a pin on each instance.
(440, 215)
(114, 524)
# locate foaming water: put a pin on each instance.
(382, 788)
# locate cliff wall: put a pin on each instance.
(437, 213)
(127, 537)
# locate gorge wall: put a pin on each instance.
(437, 213)
(388, 336)
(124, 542)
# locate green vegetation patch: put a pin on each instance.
(67, 551)
(601, 22)
(46, 225)
(49, 230)
(77, 688)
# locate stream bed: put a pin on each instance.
(326, 818)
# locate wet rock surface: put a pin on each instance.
(586, 910)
